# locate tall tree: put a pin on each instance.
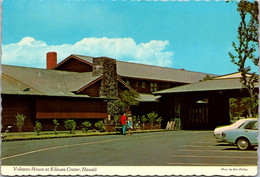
(126, 100)
(247, 45)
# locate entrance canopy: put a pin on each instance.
(226, 84)
(214, 112)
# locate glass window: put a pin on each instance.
(143, 84)
(155, 87)
(255, 126)
(251, 125)
(136, 84)
(151, 86)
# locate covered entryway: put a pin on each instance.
(203, 105)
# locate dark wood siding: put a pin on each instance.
(11, 105)
(75, 66)
(65, 108)
(92, 90)
(138, 84)
(45, 109)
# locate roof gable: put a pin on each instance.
(231, 75)
(74, 64)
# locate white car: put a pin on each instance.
(218, 131)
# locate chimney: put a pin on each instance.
(106, 67)
(51, 59)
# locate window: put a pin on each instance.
(136, 84)
(143, 85)
(252, 125)
(153, 86)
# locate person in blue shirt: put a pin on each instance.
(129, 124)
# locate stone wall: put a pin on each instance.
(106, 67)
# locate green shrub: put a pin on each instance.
(153, 117)
(70, 125)
(100, 126)
(85, 126)
(159, 120)
(116, 119)
(20, 121)
(38, 127)
(134, 119)
(143, 119)
(56, 124)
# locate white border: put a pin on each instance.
(130, 170)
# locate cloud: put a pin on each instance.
(32, 53)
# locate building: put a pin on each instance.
(80, 87)
(204, 104)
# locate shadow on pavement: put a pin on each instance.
(223, 144)
(235, 148)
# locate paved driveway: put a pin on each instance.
(174, 148)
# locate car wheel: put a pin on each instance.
(243, 144)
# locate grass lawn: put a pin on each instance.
(63, 134)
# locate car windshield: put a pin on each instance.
(238, 123)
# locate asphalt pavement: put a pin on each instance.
(172, 148)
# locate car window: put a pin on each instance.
(241, 125)
(255, 126)
(252, 125)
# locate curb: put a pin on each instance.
(73, 136)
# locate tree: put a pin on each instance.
(241, 107)
(247, 46)
(38, 127)
(56, 124)
(126, 100)
(207, 77)
(20, 121)
(85, 126)
(70, 125)
(100, 126)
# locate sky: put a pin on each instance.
(191, 35)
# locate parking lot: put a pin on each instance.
(173, 148)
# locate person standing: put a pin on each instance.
(129, 124)
(123, 122)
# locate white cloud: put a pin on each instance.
(32, 53)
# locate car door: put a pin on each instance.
(251, 132)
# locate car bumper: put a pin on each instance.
(224, 140)
(218, 136)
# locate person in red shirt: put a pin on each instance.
(123, 119)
